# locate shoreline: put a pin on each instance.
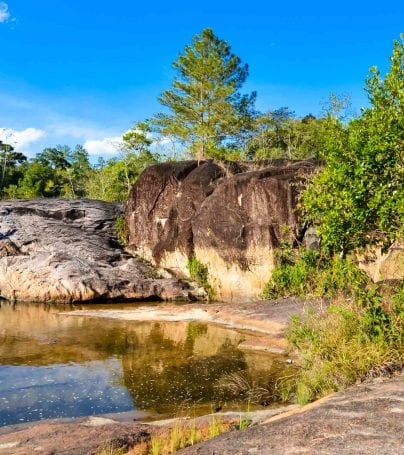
(266, 320)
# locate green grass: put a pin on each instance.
(356, 333)
(301, 272)
(121, 231)
(181, 435)
(200, 274)
(350, 341)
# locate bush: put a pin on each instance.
(303, 272)
(200, 274)
(356, 199)
(121, 231)
(348, 342)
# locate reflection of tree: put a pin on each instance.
(173, 376)
(164, 364)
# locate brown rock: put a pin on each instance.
(383, 266)
(229, 215)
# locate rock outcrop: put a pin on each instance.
(230, 216)
(66, 250)
(383, 266)
(365, 419)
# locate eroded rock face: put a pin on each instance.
(66, 250)
(383, 266)
(230, 216)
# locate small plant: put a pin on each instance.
(215, 427)
(112, 450)
(245, 420)
(156, 446)
(121, 231)
(181, 435)
(200, 274)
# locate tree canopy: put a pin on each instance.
(357, 199)
(206, 109)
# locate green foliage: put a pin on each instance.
(301, 272)
(200, 274)
(349, 341)
(121, 231)
(61, 172)
(9, 166)
(181, 435)
(55, 172)
(278, 134)
(207, 111)
(356, 200)
(112, 181)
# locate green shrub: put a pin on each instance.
(121, 231)
(349, 341)
(355, 200)
(200, 274)
(303, 272)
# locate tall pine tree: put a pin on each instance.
(207, 111)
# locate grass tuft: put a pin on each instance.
(200, 274)
(350, 341)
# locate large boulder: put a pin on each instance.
(229, 216)
(66, 250)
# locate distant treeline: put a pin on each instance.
(62, 172)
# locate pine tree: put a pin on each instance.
(207, 111)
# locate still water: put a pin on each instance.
(58, 365)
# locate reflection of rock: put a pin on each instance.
(61, 250)
(228, 215)
(164, 364)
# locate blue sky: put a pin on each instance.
(84, 71)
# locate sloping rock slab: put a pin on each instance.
(367, 419)
(87, 438)
(66, 250)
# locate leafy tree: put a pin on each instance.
(77, 172)
(55, 157)
(356, 200)
(137, 139)
(38, 181)
(278, 134)
(207, 111)
(112, 181)
(9, 162)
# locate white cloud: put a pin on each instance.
(108, 145)
(4, 13)
(21, 139)
(75, 128)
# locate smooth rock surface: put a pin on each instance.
(55, 250)
(366, 419)
(230, 216)
(84, 438)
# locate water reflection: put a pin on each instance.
(56, 365)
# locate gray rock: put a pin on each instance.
(365, 419)
(66, 250)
